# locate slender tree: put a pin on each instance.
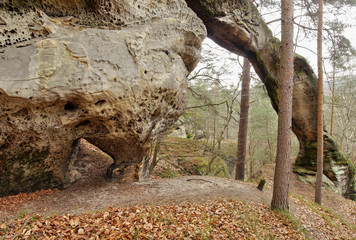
(319, 173)
(332, 101)
(283, 161)
(243, 124)
(155, 154)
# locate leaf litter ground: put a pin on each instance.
(189, 207)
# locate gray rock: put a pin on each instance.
(178, 131)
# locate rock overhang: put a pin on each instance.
(117, 85)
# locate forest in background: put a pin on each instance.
(215, 85)
(212, 95)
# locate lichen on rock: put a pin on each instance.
(112, 72)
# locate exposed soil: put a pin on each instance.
(92, 192)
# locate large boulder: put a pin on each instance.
(112, 72)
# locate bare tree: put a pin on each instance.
(282, 170)
(243, 124)
(319, 171)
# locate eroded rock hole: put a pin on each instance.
(83, 123)
(90, 166)
(70, 106)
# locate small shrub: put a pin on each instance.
(169, 172)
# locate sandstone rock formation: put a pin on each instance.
(238, 27)
(113, 72)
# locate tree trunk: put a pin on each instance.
(332, 102)
(208, 130)
(145, 172)
(270, 147)
(319, 172)
(195, 124)
(218, 136)
(227, 127)
(249, 163)
(214, 134)
(282, 170)
(260, 152)
(243, 124)
(155, 155)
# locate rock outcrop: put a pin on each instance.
(238, 27)
(112, 72)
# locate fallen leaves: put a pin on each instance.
(320, 222)
(11, 203)
(219, 219)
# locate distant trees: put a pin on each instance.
(341, 53)
(262, 130)
(344, 124)
(283, 159)
(212, 110)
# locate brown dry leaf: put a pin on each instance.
(219, 219)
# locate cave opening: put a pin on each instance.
(91, 164)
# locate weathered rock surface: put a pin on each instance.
(113, 72)
(238, 27)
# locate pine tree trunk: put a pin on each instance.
(332, 103)
(270, 146)
(195, 124)
(282, 170)
(208, 130)
(214, 134)
(250, 153)
(243, 124)
(319, 173)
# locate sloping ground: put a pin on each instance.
(178, 208)
(181, 156)
(219, 219)
(321, 221)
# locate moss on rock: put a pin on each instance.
(23, 172)
(337, 167)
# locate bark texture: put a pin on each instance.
(319, 172)
(238, 27)
(243, 124)
(283, 158)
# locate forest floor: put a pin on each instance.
(186, 207)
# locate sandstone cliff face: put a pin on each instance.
(113, 72)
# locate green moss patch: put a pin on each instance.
(26, 171)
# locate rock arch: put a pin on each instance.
(114, 72)
(238, 27)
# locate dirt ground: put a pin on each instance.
(92, 193)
